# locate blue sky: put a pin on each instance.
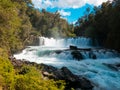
(71, 10)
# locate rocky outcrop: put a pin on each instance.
(58, 51)
(73, 47)
(76, 55)
(92, 55)
(72, 81)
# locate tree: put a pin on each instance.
(103, 24)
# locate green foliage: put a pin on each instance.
(6, 74)
(90, 32)
(31, 79)
(49, 24)
(20, 24)
(103, 25)
(9, 25)
(26, 78)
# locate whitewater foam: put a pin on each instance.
(97, 71)
(79, 42)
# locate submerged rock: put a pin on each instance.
(92, 55)
(112, 66)
(76, 55)
(58, 51)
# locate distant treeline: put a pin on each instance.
(102, 24)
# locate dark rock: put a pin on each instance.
(73, 81)
(111, 66)
(48, 68)
(16, 63)
(76, 55)
(68, 75)
(92, 55)
(85, 49)
(73, 47)
(58, 51)
(118, 65)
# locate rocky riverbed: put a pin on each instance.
(50, 72)
(91, 68)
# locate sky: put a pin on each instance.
(70, 10)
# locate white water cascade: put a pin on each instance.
(101, 71)
(79, 42)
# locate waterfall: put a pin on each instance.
(41, 41)
(79, 42)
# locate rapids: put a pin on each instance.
(102, 71)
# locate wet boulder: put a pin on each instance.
(48, 68)
(77, 55)
(92, 55)
(72, 81)
(73, 47)
(58, 51)
(50, 72)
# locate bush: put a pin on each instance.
(29, 78)
(6, 74)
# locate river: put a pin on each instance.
(102, 71)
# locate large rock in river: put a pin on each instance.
(73, 47)
(76, 55)
(73, 81)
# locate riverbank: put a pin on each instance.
(98, 65)
(50, 72)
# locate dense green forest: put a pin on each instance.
(102, 24)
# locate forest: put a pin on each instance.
(21, 24)
(103, 24)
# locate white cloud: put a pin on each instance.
(63, 13)
(48, 2)
(96, 2)
(42, 3)
(65, 3)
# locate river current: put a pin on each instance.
(102, 71)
